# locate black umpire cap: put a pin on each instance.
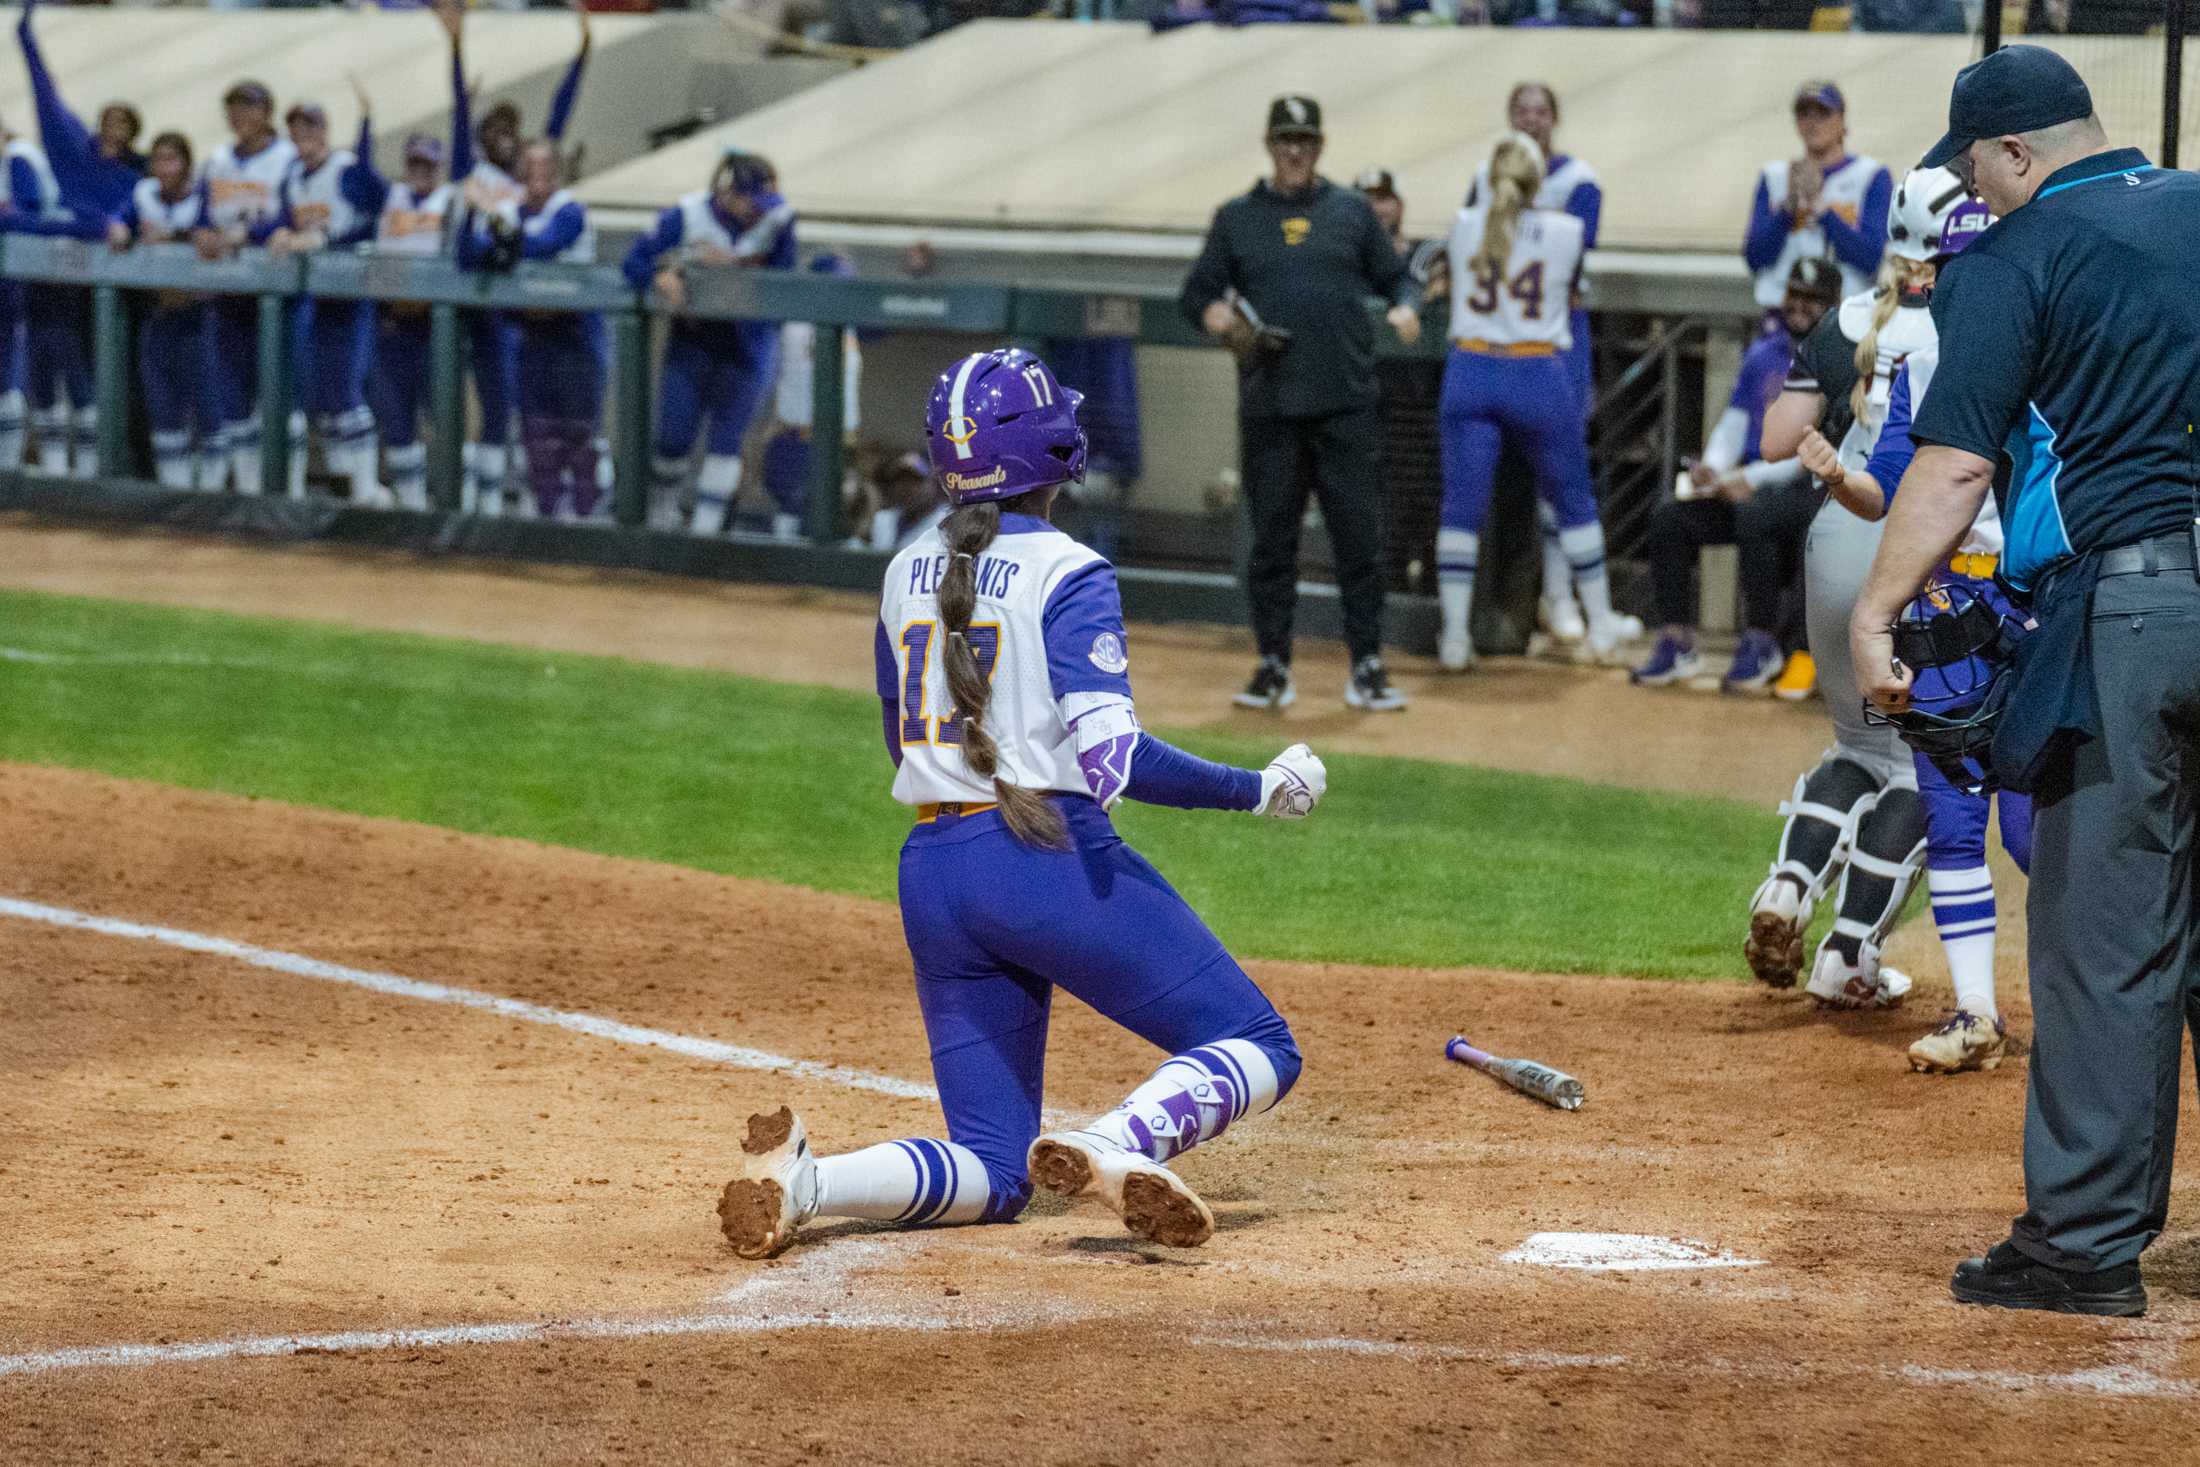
(2017, 89)
(1294, 117)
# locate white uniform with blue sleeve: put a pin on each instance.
(1047, 628)
(244, 193)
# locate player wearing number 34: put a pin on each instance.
(1514, 269)
(1003, 676)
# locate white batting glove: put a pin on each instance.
(1292, 784)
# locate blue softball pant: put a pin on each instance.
(176, 371)
(235, 326)
(994, 926)
(492, 355)
(399, 386)
(1529, 403)
(717, 374)
(333, 341)
(58, 356)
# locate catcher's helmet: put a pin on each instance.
(1956, 643)
(1933, 216)
(1000, 425)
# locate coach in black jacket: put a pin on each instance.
(1284, 279)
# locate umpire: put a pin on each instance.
(2070, 332)
(1284, 279)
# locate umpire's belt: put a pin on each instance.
(926, 814)
(1480, 347)
(2171, 552)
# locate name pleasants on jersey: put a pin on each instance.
(995, 575)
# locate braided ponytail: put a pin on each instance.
(967, 532)
(1897, 277)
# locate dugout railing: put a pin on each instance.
(972, 310)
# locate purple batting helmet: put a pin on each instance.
(1000, 425)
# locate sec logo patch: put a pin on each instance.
(1108, 655)
(1296, 229)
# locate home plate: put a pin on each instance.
(1617, 1252)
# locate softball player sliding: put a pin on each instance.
(1859, 813)
(1514, 267)
(243, 185)
(715, 369)
(175, 342)
(332, 199)
(1004, 682)
(1971, 1036)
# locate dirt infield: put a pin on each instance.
(214, 1147)
(1510, 714)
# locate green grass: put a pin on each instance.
(1407, 862)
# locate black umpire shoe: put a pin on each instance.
(1271, 686)
(1371, 687)
(2010, 1280)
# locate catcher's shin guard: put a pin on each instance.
(1821, 826)
(1883, 869)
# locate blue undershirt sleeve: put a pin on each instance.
(1891, 455)
(889, 690)
(1162, 774)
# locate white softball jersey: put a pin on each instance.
(414, 223)
(1843, 193)
(1529, 302)
(243, 192)
(1048, 631)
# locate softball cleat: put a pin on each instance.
(1836, 983)
(1778, 915)
(1964, 1041)
(777, 1190)
(1154, 1202)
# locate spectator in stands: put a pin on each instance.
(1306, 389)
(1242, 12)
(414, 222)
(718, 370)
(332, 200)
(1825, 204)
(1735, 498)
(1424, 257)
(243, 182)
(488, 185)
(175, 369)
(787, 452)
(1930, 17)
(96, 173)
(1570, 186)
(561, 353)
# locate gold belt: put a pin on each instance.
(926, 814)
(1510, 349)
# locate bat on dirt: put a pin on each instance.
(1552, 1087)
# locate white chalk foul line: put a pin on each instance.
(715, 1051)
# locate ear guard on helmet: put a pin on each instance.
(1956, 644)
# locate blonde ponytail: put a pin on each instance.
(1516, 175)
(1897, 277)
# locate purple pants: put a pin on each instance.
(561, 461)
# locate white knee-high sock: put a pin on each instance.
(715, 485)
(915, 1182)
(52, 427)
(1457, 551)
(84, 443)
(1558, 575)
(1963, 910)
(297, 465)
(13, 437)
(244, 453)
(172, 459)
(1583, 546)
(1192, 1098)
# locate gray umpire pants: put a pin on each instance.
(2115, 967)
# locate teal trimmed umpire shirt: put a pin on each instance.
(2070, 334)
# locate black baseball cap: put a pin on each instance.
(2017, 89)
(1376, 181)
(1294, 117)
